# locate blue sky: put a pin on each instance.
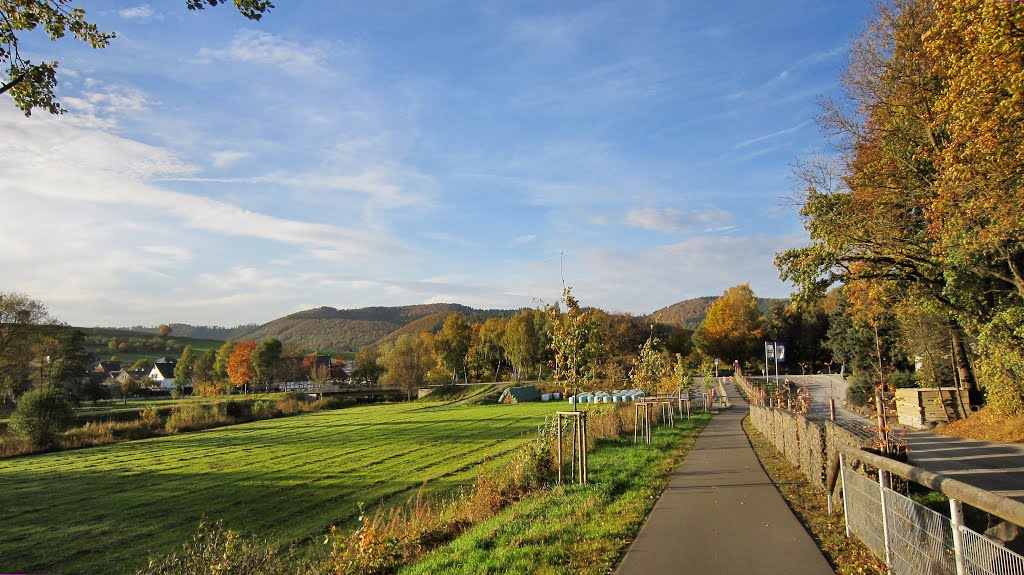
(213, 170)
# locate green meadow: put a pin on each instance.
(106, 509)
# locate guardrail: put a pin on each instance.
(911, 538)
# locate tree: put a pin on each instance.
(407, 361)
(141, 365)
(520, 342)
(70, 366)
(733, 328)
(926, 198)
(266, 359)
(204, 370)
(240, 369)
(490, 349)
(320, 377)
(125, 385)
(165, 330)
(22, 321)
(452, 344)
(367, 364)
(651, 368)
(220, 367)
(184, 369)
(32, 84)
(41, 415)
(577, 342)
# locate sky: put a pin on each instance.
(218, 171)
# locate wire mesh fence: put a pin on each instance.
(919, 540)
(864, 510)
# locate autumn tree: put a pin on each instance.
(926, 197)
(734, 328)
(239, 367)
(32, 84)
(367, 364)
(452, 344)
(490, 347)
(577, 342)
(406, 360)
(651, 367)
(521, 342)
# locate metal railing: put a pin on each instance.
(913, 539)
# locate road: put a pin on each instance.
(996, 467)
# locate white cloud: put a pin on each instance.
(167, 253)
(102, 106)
(143, 12)
(228, 157)
(522, 240)
(674, 220)
(771, 136)
(258, 47)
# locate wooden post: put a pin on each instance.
(559, 416)
(883, 479)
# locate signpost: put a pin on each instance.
(777, 351)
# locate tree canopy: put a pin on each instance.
(733, 328)
(32, 83)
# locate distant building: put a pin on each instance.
(162, 373)
(107, 366)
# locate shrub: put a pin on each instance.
(41, 416)
(216, 549)
(190, 416)
(860, 391)
(151, 417)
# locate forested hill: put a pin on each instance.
(201, 331)
(691, 312)
(327, 328)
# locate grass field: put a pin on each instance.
(105, 509)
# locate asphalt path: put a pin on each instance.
(722, 514)
(995, 467)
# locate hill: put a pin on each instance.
(691, 312)
(327, 328)
(132, 345)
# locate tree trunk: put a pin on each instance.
(963, 366)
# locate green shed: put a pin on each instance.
(519, 394)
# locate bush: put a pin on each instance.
(150, 417)
(861, 390)
(191, 416)
(215, 549)
(41, 416)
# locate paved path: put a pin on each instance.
(722, 514)
(996, 467)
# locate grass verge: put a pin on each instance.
(848, 556)
(570, 528)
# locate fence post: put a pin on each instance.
(883, 479)
(957, 520)
(846, 510)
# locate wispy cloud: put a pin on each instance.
(674, 220)
(523, 240)
(258, 47)
(143, 12)
(102, 106)
(227, 157)
(773, 135)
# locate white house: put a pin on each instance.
(162, 373)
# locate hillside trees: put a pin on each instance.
(220, 366)
(734, 328)
(32, 83)
(523, 342)
(925, 200)
(490, 348)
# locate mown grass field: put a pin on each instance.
(105, 509)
